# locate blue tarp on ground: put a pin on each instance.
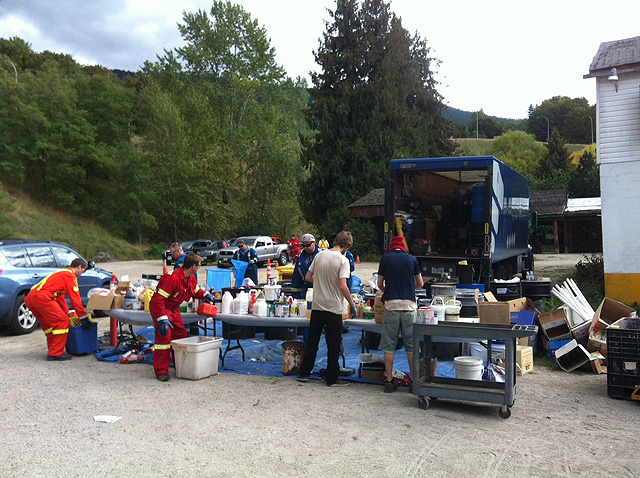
(264, 357)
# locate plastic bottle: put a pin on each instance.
(129, 300)
(243, 303)
(227, 300)
(113, 285)
(261, 308)
(309, 299)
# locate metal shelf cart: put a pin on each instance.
(433, 387)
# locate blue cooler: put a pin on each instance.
(82, 341)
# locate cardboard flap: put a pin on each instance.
(571, 356)
(494, 313)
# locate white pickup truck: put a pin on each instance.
(265, 246)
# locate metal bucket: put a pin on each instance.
(292, 353)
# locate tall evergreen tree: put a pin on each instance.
(557, 158)
(374, 99)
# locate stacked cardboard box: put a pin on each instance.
(378, 308)
(607, 313)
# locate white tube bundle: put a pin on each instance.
(570, 294)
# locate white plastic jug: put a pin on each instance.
(260, 308)
(309, 299)
(272, 292)
(439, 308)
(243, 303)
(227, 301)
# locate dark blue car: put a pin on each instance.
(24, 263)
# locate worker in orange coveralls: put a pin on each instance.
(174, 288)
(46, 301)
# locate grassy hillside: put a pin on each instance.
(31, 220)
(478, 147)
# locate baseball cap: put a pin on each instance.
(308, 238)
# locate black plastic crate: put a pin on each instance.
(623, 359)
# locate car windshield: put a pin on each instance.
(187, 245)
(249, 241)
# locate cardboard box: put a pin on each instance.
(580, 332)
(373, 371)
(123, 287)
(555, 325)
(105, 302)
(607, 313)
(524, 359)
(597, 363)
(571, 356)
(550, 347)
(494, 313)
(378, 308)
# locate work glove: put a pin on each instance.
(85, 322)
(163, 326)
(253, 261)
(209, 298)
(352, 308)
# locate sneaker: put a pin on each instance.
(302, 379)
(390, 387)
(339, 383)
(163, 377)
(58, 358)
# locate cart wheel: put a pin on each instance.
(504, 412)
(423, 403)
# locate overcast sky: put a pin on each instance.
(498, 56)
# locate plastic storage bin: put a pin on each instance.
(196, 357)
(82, 341)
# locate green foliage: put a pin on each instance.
(486, 127)
(590, 278)
(557, 159)
(374, 100)
(365, 240)
(7, 206)
(519, 150)
(586, 180)
(569, 115)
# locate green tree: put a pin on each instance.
(374, 99)
(251, 135)
(519, 150)
(557, 159)
(487, 127)
(585, 181)
(564, 113)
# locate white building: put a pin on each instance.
(616, 68)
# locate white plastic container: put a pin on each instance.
(439, 309)
(196, 357)
(260, 308)
(468, 368)
(243, 301)
(227, 301)
(272, 292)
(309, 299)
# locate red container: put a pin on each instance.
(207, 310)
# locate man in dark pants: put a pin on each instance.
(329, 272)
(399, 276)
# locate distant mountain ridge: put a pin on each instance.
(460, 116)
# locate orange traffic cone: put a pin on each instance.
(357, 259)
(268, 271)
(165, 270)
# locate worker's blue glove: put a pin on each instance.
(85, 322)
(352, 308)
(163, 326)
(209, 298)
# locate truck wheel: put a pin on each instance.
(22, 321)
(283, 259)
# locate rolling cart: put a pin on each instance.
(433, 387)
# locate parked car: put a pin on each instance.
(24, 263)
(205, 248)
(265, 247)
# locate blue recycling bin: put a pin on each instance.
(239, 268)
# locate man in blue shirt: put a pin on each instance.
(399, 276)
(249, 255)
(178, 255)
(299, 285)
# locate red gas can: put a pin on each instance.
(207, 310)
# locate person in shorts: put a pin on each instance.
(398, 278)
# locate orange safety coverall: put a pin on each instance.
(173, 289)
(46, 301)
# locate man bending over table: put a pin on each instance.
(174, 288)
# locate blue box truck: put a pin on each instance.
(453, 209)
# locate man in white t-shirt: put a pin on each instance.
(329, 272)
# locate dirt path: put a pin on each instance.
(234, 425)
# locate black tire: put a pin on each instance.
(504, 412)
(283, 259)
(423, 403)
(22, 320)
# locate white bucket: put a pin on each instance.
(439, 309)
(468, 368)
(272, 292)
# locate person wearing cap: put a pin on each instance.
(399, 277)
(294, 247)
(299, 285)
(250, 256)
(328, 273)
